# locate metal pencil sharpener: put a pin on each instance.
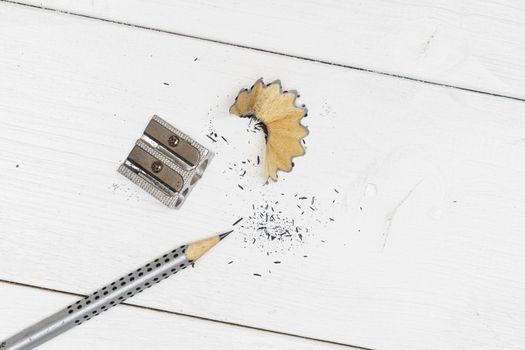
(166, 163)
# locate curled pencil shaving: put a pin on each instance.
(281, 122)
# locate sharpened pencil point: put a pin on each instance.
(197, 249)
(223, 235)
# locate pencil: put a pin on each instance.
(113, 294)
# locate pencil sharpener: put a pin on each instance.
(166, 163)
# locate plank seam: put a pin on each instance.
(282, 54)
(53, 290)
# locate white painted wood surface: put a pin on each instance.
(473, 44)
(426, 250)
(126, 327)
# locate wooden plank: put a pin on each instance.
(127, 327)
(426, 247)
(472, 44)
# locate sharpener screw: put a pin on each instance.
(156, 167)
(173, 141)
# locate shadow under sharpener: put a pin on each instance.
(166, 163)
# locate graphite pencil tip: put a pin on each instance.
(223, 235)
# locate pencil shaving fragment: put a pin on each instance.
(281, 120)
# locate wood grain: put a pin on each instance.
(425, 185)
(471, 44)
(127, 327)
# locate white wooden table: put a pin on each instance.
(415, 158)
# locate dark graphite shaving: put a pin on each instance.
(267, 223)
(277, 222)
(276, 226)
(257, 126)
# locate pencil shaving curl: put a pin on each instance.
(281, 118)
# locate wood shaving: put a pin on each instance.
(280, 119)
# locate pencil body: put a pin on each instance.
(100, 301)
